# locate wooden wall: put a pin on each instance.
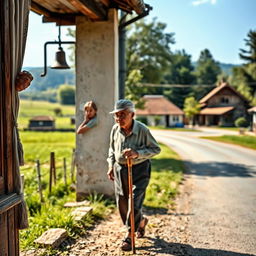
(9, 242)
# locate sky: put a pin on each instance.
(218, 25)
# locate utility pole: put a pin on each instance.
(122, 61)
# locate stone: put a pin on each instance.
(52, 237)
(77, 204)
(80, 212)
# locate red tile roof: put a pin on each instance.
(253, 109)
(158, 105)
(219, 88)
(42, 118)
(216, 111)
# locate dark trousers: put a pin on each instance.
(141, 175)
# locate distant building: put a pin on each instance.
(222, 106)
(42, 123)
(158, 110)
(252, 111)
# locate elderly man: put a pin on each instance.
(130, 139)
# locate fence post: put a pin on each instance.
(39, 180)
(22, 182)
(65, 170)
(52, 168)
(72, 165)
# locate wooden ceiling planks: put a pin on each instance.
(95, 10)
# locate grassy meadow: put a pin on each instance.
(166, 174)
(29, 108)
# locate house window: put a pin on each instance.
(175, 118)
(225, 100)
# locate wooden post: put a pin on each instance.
(22, 182)
(39, 180)
(72, 165)
(65, 170)
(52, 168)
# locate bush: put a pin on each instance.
(241, 122)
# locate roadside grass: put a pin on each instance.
(167, 172)
(50, 213)
(241, 140)
(160, 127)
(29, 109)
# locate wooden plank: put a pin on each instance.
(8, 126)
(11, 232)
(9, 201)
(84, 10)
(3, 235)
(2, 190)
(39, 9)
(66, 20)
(16, 230)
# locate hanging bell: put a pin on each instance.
(60, 60)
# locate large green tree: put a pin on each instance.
(180, 72)
(149, 50)
(206, 72)
(244, 77)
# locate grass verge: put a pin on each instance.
(241, 140)
(167, 170)
(166, 174)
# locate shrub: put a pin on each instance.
(241, 122)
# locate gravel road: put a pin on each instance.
(222, 202)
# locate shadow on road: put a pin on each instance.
(161, 246)
(220, 169)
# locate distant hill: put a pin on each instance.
(53, 79)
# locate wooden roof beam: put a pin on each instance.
(61, 19)
(39, 9)
(90, 8)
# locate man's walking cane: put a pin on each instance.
(131, 205)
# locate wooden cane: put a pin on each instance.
(131, 205)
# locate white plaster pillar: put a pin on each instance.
(97, 80)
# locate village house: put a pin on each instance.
(41, 123)
(158, 110)
(222, 106)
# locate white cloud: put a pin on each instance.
(198, 2)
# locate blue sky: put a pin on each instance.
(219, 25)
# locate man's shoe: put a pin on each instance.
(127, 244)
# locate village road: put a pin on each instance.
(222, 207)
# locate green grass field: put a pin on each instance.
(167, 171)
(30, 109)
(241, 140)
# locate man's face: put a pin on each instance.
(124, 118)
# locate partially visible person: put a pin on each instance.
(23, 80)
(130, 138)
(90, 117)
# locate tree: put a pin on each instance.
(206, 72)
(249, 55)
(148, 50)
(244, 77)
(191, 108)
(180, 72)
(66, 94)
(133, 90)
